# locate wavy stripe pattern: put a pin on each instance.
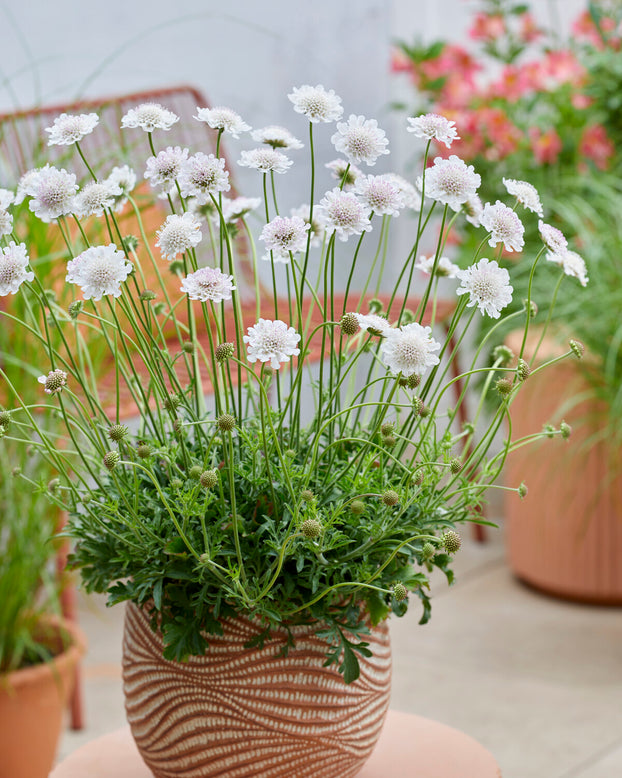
(242, 713)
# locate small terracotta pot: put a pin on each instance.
(32, 702)
(244, 713)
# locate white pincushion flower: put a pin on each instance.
(95, 197)
(315, 227)
(503, 225)
(121, 177)
(473, 209)
(7, 198)
(99, 271)
(236, 208)
(433, 126)
(284, 235)
(412, 196)
(444, 267)
(316, 103)
(208, 283)
(572, 264)
(6, 222)
(54, 381)
(451, 181)
(372, 323)
(178, 234)
(25, 185)
(526, 194)
(381, 194)
(265, 160)
(271, 341)
(277, 137)
(343, 213)
(68, 128)
(52, 191)
(409, 350)
(487, 285)
(13, 268)
(163, 169)
(340, 168)
(203, 175)
(221, 118)
(552, 238)
(149, 117)
(360, 139)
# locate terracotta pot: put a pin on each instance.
(565, 538)
(32, 703)
(244, 713)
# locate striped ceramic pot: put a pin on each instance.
(242, 713)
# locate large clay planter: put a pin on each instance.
(565, 538)
(32, 703)
(242, 713)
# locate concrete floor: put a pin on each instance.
(537, 681)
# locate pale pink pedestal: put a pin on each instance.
(409, 747)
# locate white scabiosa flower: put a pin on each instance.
(432, 126)
(99, 271)
(316, 103)
(6, 222)
(316, 229)
(526, 194)
(340, 168)
(68, 129)
(487, 285)
(284, 236)
(95, 197)
(451, 181)
(571, 263)
(123, 178)
(13, 268)
(236, 208)
(473, 209)
(203, 175)
(360, 139)
(265, 160)
(178, 234)
(372, 323)
(221, 118)
(552, 238)
(503, 225)
(444, 267)
(381, 194)
(149, 117)
(343, 213)
(271, 341)
(53, 191)
(409, 350)
(7, 198)
(25, 185)
(54, 381)
(208, 284)
(163, 169)
(277, 137)
(412, 196)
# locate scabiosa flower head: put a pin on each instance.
(6, 222)
(315, 227)
(265, 160)
(504, 226)
(202, 175)
(13, 272)
(487, 285)
(340, 168)
(525, 193)
(360, 139)
(235, 209)
(7, 198)
(123, 178)
(316, 103)
(178, 234)
(571, 263)
(343, 213)
(52, 191)
(224, 119)
(409, 350)
(444, 267)
(277, 137)
(68, 129)
(284, 235)
(552, 238)
(54, 381)
(451, 181)
(149, 117)
(95, 197)
(163, 169)
(208, 283)
(271, 341)
(433, 126)
(412, 197)
(99, 271)
(372, 323)
(473, 209)
(381, 194)
(25, 185)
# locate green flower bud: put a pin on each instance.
(523, 370)
(111, 460)
(187, 347)
(565, 429)
(503, 353)
(390, 498)
(16, 472)
(428, 550)
(549, 429)
(388, 441)
(225, 422)
(400, 592)
(208, 479)
(387, 428)
(451, 541)
(455, 465)
(176, 483)
(5, 419)
(224, 352)
(577, 348)
(290, 453)
(414, 380)
(418, 477)
(130, 243)
(195, 472)
(117, 432)
(144, 451)
(171, 403)
(147, 295)
(307, 495)
(74, 309)
(522, 491)
(504, 386)
(311, 528)
(53, 485)
(349, 324)
(424, 411)
(357, 507)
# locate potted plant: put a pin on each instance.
(548, 109)
(295, 474)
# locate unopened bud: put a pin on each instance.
(390, 498)
(565, 429)
(357, 507)
(5, 419)
(225, 422)
(171, 403)
(187, 347)
(533, 308)
(349, 324)
(130, 243)
(428, 550)
(307, 495)
(522, 491)
(387, 428)
(455, 465)
(208, 479)
(388, 441)
(504, 354)
(504, 386)
(549, 429)
(144, 451)
(400, 592)
(111, 460)
(224, 351)
(523, 370)
(195, 472)
(451, 541)
(311, 528)
(577, 348)
(53, 485)
(74, 309)
(413, 380)
(117, 432)
(147, 295)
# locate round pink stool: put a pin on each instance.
(409, 747)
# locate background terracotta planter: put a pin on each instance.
(565, 538)
(244, 713)
(32, 703)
